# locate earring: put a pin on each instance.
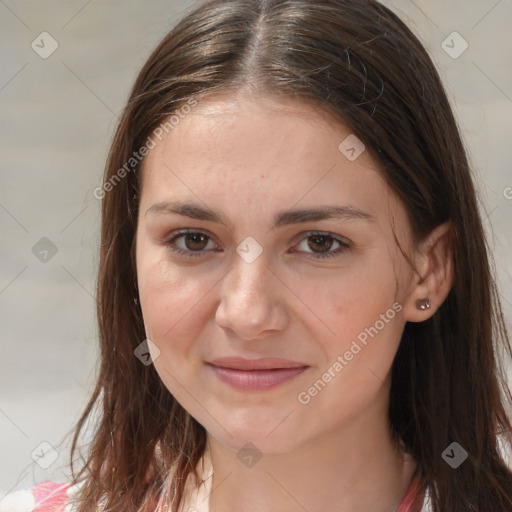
(423, 303)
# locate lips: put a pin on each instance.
(255, 374)
(266, 363)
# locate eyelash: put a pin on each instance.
(344, 246)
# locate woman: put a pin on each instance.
(294, 297)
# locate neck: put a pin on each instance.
(358, 467)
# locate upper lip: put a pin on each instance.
(265, 363)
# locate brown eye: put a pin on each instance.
(190, 243)
(195, 244)
(195, 241)
(319, 245)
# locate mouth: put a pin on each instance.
(255, 374)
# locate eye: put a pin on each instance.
(193, 244)
(323, 242)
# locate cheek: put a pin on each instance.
(349, 300)
(174, 305)
(358, 362)
(364, 330)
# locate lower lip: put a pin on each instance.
(256, 379)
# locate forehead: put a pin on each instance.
(247, 152)
(251, 130)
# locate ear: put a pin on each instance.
(434, 263)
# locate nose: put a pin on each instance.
(251, 300)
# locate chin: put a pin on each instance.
(266, 437)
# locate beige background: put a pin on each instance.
(57, 118)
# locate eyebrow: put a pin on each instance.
(282, 218)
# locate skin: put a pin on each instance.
(250, 157)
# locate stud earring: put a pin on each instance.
(423, 303)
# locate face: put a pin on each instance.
(275, 297)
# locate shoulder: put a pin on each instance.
(427, 504)
(196, 499)
(43, 497)
(416, 499)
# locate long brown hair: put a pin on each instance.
(357, 60)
